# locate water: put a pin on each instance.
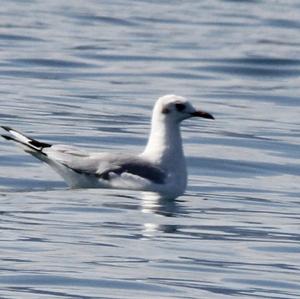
(87, 73)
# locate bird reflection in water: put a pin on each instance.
(156, 204)
(153, 203)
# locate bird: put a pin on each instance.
(160, 168)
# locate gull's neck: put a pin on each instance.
(164, 145)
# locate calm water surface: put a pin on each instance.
(87, 73)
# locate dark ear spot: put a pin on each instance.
(179, 106)
(165, 110)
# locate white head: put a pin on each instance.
(175, 109)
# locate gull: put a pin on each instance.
(160, 168)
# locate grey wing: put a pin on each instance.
(105, 165)
(72, 158)
(135, 166)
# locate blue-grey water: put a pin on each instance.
(87, 73)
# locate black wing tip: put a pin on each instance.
(38, 144)
(6, 128)
(31, 143)
(7, 137)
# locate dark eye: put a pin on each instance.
(179, 106)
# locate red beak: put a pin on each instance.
(203, 114)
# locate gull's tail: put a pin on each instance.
(29, 145)
(55, 158)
